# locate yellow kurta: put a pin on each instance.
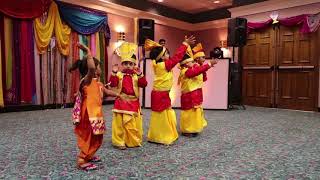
(162, 128)
(127, 129)
(191, 120)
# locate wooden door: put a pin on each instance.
(258, 62)
(296, 86)
(280, 69)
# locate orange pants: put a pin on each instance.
(88, 143)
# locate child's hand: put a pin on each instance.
(190, 40)
(215, 61)
(115, 68)
(107, 85)
(83, 47)
(137, 70)
(120, 96)
(212, 62)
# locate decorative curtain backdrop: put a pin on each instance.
(308, 23)
(44, 31)
(35, 56)
(83, 20)
(24, 9)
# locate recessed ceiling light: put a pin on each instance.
(160, 0)
(216, 2)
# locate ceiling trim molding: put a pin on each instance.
(266, 6)
(221, 23)
(211, 15)
(148, 6)
(124, 11)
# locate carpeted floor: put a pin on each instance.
(256, 143)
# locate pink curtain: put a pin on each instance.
(251, 26)
(308, 23)
(300, 20)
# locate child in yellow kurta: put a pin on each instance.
(90, 126)
(127, 128)
(199, 57)
(162, 128)
(192, 119)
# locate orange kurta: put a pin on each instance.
(91, 127)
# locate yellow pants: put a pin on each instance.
(192, 120)
(127, 129)
(162, 128)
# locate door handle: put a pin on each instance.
(257, 67)
(289, 67)
(307, 67)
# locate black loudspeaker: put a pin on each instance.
(235, 92)
(237, 32)
(146, 30)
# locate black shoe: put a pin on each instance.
(187, 134)
(195, 134)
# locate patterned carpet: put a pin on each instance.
(257, 143)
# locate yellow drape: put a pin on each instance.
(43, 32)
(63, 32)
(8, 51)
(97, 46)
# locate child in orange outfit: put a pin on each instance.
(90, 125)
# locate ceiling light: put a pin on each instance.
(216, 2)
(160, 0)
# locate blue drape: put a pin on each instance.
(84, 21)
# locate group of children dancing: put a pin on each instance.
(124, 84)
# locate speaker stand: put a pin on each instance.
(231, 104)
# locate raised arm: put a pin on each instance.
(90, 64)
(174, 60)
(197, 70)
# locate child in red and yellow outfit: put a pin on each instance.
(127, 128)
(162, 128)
(191, 77)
